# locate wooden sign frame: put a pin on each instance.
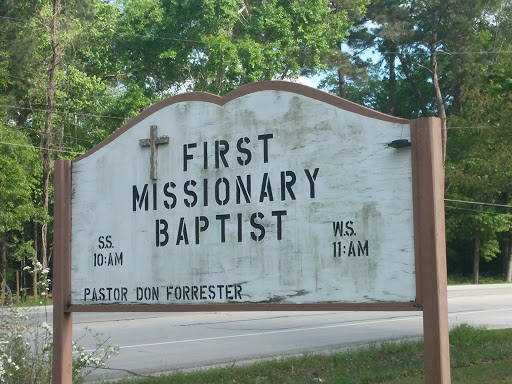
(429, 241)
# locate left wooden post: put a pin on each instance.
(62, 319)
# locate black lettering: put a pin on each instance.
(362, 249)
(243, 150)
(169, 292)
(265, 139)
(337, 227)
(226, 191)
(161, 230)
(182, 232)
(279, 223)
(202, 224)
(238, 292)
(202, 292)
(205, 155)
(220, 153)
(258, 226)
(154, 197)
(211, 290)
(205, 192)
(287, 185)
(119, 259)
(87, 292)
(239, 217)
(140, 199)
(108, 241)
(222, 219)
(244, 189)
(350, 229)
(186, 156)
(186, 291)
(228, 292)
(190, 192)
(195, 290)
(266, 189)
(351, 249)
(220, 286)
(167, 193)
(311, 179)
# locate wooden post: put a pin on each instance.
(428, 192)
(62, 320)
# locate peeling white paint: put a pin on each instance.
(360, 180)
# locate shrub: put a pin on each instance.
(26, 348)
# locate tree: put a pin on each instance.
(17, 160)
(60, 75)
(219, 45)
(481, 156)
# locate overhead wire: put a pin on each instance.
(475, 211)
(479, 203)
(35, 147)
(62, 112)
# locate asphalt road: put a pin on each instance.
(160, 342)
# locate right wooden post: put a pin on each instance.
(430, 246)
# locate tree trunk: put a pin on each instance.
(3, 259)
(392, 84)
(34, 260)
(476, 256)
(508, 261)
(342, 84)
(441, 110)
(46, 138)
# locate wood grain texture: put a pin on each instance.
(62, 319)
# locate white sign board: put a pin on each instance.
(271, 197)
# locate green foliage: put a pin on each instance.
(16, 166)
(116, 58)
(26, 349)
(218, 45)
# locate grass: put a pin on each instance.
(477, 356)
(33, 302)
(496, 372)
(468, 279)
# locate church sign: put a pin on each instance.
(273, 197)
(276, 196)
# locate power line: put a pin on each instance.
(70, 137)
(474, 210)
(12, 18)
(62, 112)
(478, 203)
(57, 111)
(446, 53)
(125, 34)
(49, 149)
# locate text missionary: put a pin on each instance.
(225, 191)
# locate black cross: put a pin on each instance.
(152, 143)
